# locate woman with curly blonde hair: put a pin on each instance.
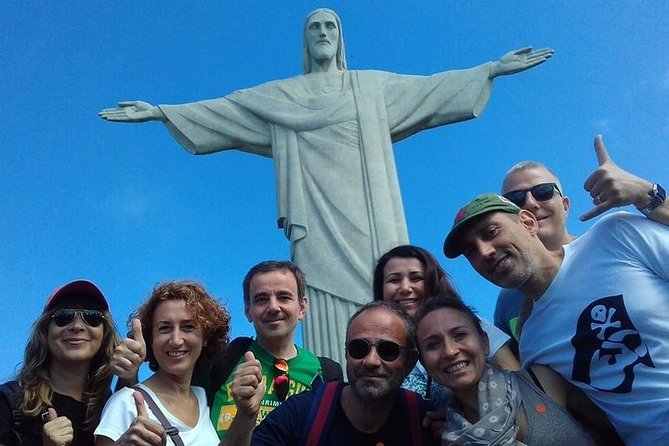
(181, 325)
(65, 379)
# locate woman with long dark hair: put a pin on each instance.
(65, 378)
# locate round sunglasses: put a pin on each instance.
(387, 350)
(540, 192)
(65, 316)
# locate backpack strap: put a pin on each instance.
(322, 411)
(331, 370)
(12, 393)
(170, 430)
(412, 407)
(23, 427)
(222, 368)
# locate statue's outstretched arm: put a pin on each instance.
(520, 60)
(132, 111)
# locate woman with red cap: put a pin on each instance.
(65, 378)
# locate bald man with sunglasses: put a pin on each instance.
(371, 408)
(533, 186)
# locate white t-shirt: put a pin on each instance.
(496, 337)
(120, 411)
(603, 324)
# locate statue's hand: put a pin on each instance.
(132, 111)
(520, 60)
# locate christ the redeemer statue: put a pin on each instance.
(330, 133)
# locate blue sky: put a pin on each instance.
(126, 207)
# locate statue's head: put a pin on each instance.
(311, 50)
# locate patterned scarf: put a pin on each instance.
(499, 402)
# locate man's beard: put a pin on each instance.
(373, 391)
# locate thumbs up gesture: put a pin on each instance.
(248, 386)
(610, 186)
(142, 431)
(57, 431)
(130, 354)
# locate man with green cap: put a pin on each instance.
(598, 307)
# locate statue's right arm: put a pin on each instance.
(133, 111)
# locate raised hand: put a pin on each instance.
(132, 111)
(129, 354)
(248, 386)
(248, 389)
(57, 431)
(520, 60)
(142, 431)
(610, 186)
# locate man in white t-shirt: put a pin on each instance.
(533, 186)
(599, 305)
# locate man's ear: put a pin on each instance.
(247, 312)
(304, 306)
(566, 204)
(529, 221)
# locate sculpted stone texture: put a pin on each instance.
(330, 133)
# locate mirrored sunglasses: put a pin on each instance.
(65, 316)
(281, 379)
(387, 350)
(540, 192)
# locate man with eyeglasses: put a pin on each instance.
(371, 408)
(599, 306)
(533, 186)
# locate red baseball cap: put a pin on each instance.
(78, 288)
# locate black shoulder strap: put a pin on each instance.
(22, 424)
(12, 392)
(224, 366)
(535, 379)
(331, 370)
(170, 430)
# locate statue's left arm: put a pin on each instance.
(415, 103)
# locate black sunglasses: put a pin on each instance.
(387, 350)
(65, 316)
(540, 192)
(281, 379)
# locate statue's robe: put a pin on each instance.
(338, 197)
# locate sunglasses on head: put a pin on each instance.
(387, 350)
(65, 316)
(281, 379)
(540, 192)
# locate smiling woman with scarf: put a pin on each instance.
(491, 406)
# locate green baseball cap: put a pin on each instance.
(478, 206)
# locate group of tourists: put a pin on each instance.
(577, 354)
